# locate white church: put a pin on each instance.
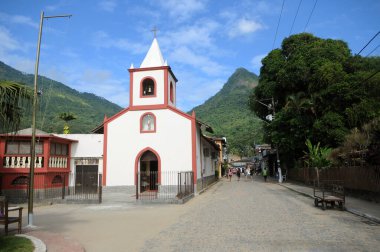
(152, 136)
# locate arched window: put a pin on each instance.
(21, 180)
(148, 123)
(57, 179)
(171, 93)
(148, 87)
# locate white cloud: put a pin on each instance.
(182, 10)
(199, 35)
(107, 5)
(256, 62)
(102, 83)
(194, 90)
(102, 40)
(244, 26)
(9, 49)
(18, 19)
(7, 42)
(183, 55)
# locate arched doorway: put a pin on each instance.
(148, 172)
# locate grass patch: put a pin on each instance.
(15, 244)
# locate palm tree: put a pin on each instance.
(67, 117)
(13, 98)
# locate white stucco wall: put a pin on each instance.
(88, 146)
(172, 141)
(158, 76)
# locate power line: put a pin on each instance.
(311, 13)
(378, 71)
(278, 24)
(373, 50)
(368, 42)
(294, 20)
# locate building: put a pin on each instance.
(52, 163)
(152, 136)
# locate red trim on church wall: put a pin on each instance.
(154, 123)
(166, 87)
(105, 138)
(137, 160)
(194, 147)
(154, 88)
(130, 88)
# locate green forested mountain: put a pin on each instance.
(56, 98)
(227, 112)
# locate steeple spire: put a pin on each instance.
(154, 57)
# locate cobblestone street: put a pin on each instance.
(257, 216)
(230, 216)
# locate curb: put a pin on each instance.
(364, 215)
(39, 246)
(299, 192)
(350, 210)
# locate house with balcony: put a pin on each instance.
(52, 162)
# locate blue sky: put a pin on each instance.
(204, 41)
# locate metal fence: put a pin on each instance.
(52, 187)
(169, 186)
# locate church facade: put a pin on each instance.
(153, 135)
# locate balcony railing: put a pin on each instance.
(25, 161)
(58, 162)
(22, 162)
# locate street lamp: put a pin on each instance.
(271, 106)
(34, 113)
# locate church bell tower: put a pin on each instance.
(153, 85)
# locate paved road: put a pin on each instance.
(231, 216)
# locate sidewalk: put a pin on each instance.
(363, 208)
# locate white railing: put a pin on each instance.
(58, 162)
(22, 162)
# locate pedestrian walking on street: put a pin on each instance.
(238, 174)
(230, 173)
(265, 174)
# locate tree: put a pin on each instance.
(317, 157)
(67, 117)
(321, 92)
(13, 98)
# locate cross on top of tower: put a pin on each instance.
(154, 30)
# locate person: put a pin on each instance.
(248, 173)
(230, 173)
(265, 174)
(238, 173)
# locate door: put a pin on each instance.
(86, 179)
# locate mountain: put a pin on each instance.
(58, 98)
(227, 112)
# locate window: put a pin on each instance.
(171, 93)
(59, 149)
(148, 123)
(148, 88)
(57, 179)
(21, 180)
(22, 148)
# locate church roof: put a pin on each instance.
(154, 57)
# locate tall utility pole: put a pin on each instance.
(272, 107)
(34, 114)
(276, 145)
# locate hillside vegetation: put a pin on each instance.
(56, 98)
(227, 112)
